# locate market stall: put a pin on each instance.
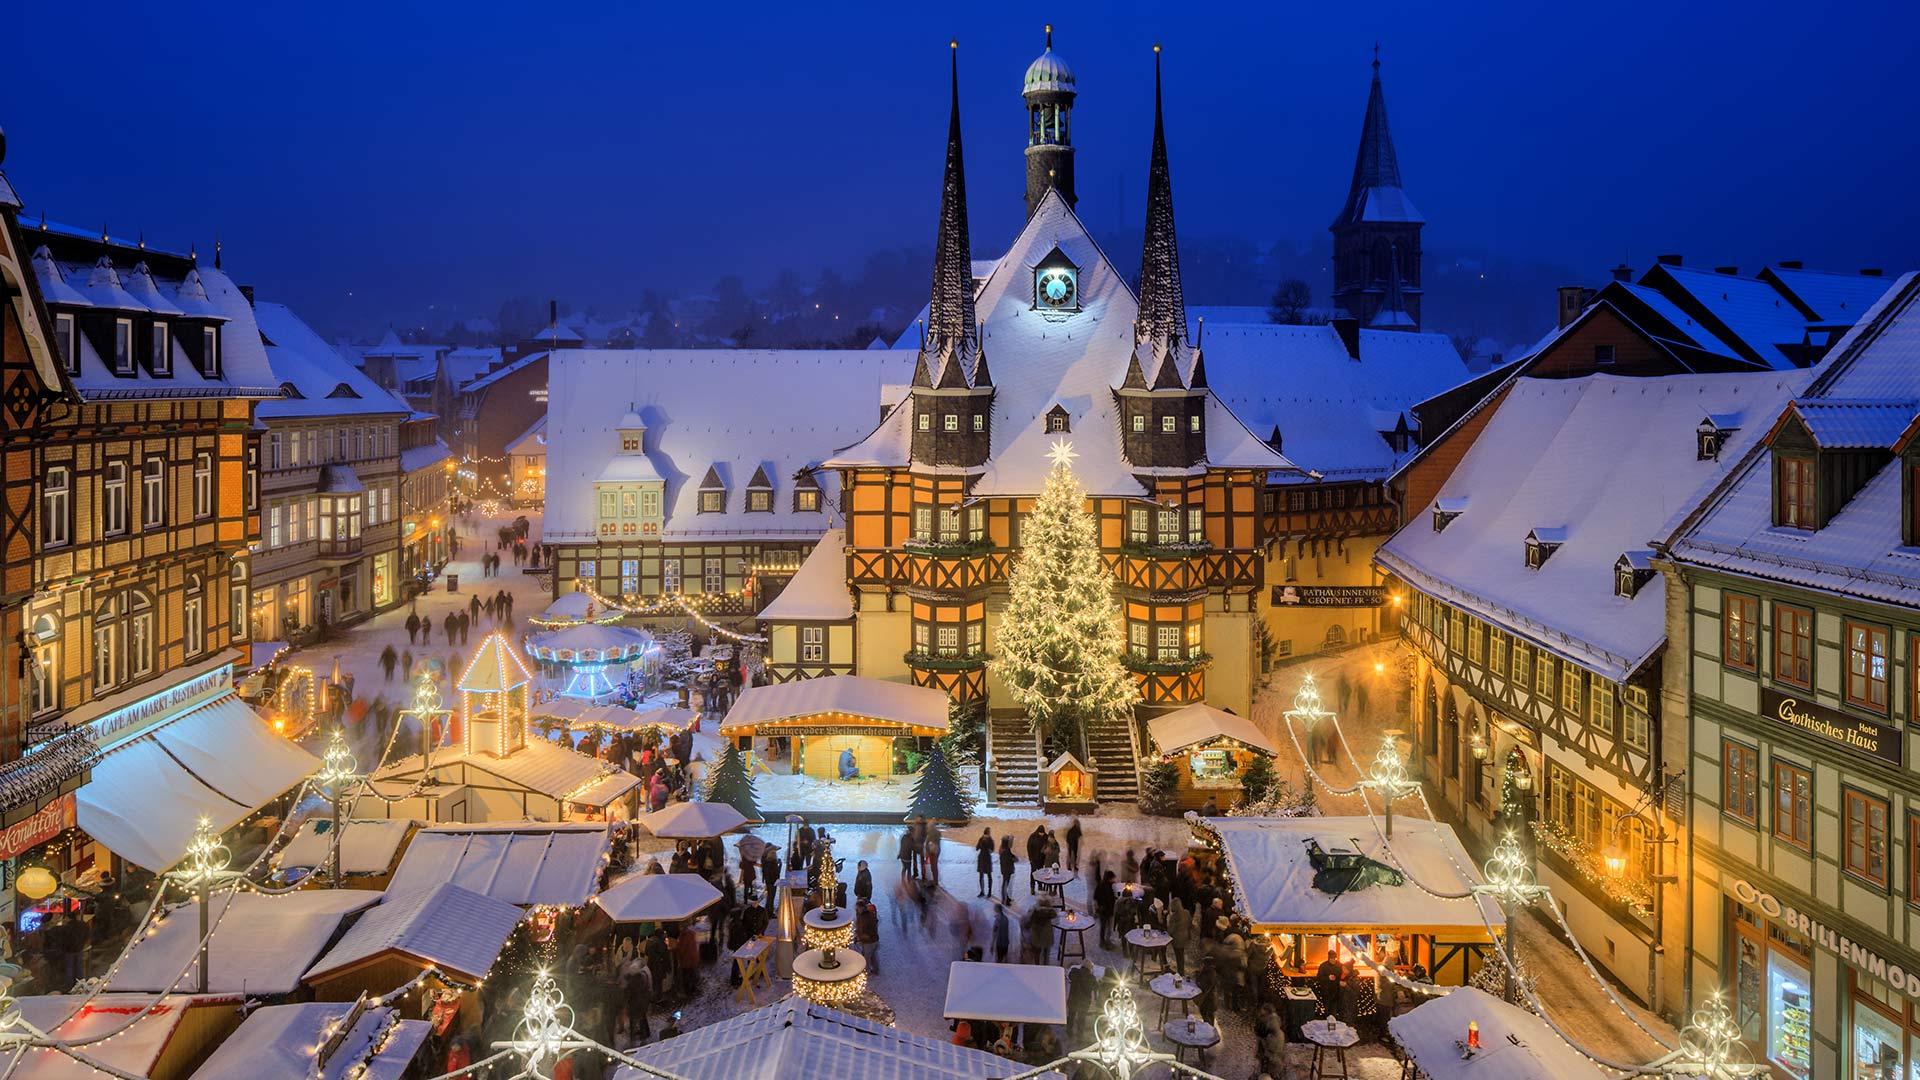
(839, 724)
(595, 656)
(525, 863)
(1314, 884)
(261, 944)
(171, 1034)
(693, 821)
(1468, 1034)
(1007, 993)
(356, 1042)
(1211, 748)
(642, 897)
(370, 848)
(456, 931)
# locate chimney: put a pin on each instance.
(1349, 331)
(1667, 260)
(1730, 271)
(553, 312)
(1871, 272)
(1623, 272)
(1792, 264)
(1573, 301)
(247, 291)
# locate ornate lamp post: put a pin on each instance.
(205, 863)
(1390, 778)
(337, 777)
(1510, 880)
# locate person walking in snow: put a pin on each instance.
(1002, 933)
(931, 854)
(406, 665)
(413, 626)
(983, 861)
(1073, 845)
(1036, 853)
(488, 608)
(466, 625)
(451, 627)
(1007, 862)
(473, 606)
(388, 658)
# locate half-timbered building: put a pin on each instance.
(1539, 629)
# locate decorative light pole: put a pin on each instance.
(1307, 710)
(1708, 1045)
(427, 711)
(337, 777)
(1119, 1039)
(1390, 778)
(1510, 880)
(205, 863)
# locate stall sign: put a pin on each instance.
(1856, 733)
(53, 819)
(1329, 595)
(109, 728)
(1860, 957)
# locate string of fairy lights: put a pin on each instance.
(676, 603)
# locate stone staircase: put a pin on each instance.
(1110, 744)
(1016, 761)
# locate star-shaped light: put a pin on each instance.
(1062, 454)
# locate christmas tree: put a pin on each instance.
(938, 793)
(1060, 644)
(732, 784)
(676, 656)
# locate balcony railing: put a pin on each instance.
(929, 661)
(1143, 665)
(948, 548)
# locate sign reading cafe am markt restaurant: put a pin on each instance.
(1856, 733)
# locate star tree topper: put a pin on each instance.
(1062, 454)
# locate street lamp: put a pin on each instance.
(337, 777)
(1510, 881)
(1390, 778)
(205, 863)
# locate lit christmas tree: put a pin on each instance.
(1060, 643)
(676, 655)
(938, 793)
(730, 783)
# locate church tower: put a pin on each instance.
(1376, 238)
(1049, 92)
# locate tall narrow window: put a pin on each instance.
(160, 349)
(237, 602)
(1740, 631)
(713, 576)
(210, 352)
(113, 499)
(193, 616)
(1793, 804)
(141, 642)
(813, 643)
(56, 507)
(630, 577)
(1794, 491)
(1570, 674)
(106, 645)
(1793, 646)
(670, 576)
(123, 346)
(1866, 836)
(1167, 642)
(153, 493)
(69, 342)
(1867, 666)
(202, 485)
(1740, 781)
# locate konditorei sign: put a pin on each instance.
(1861, 958)
(1856, 733)
(53, 819)
(1329, 595)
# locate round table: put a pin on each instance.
(823, 929)
(1076, 923)
(1131, 889)
(1172, 987)
(1054, 880)
(1328, 1035)
(835, 985)
(1190, 1034)
(1145, 940)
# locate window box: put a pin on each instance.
(930, 661)
(1141, 665)
(923, 545)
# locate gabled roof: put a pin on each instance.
(817, 591)
(1375, 194)
(302, 358)
(456, 929)
(1829, 297)
(1758, 317)
(495, 668)
(1852, 423)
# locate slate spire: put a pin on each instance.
(1375, 165)
(950, 321)
(1163, 306)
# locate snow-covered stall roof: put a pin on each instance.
(1072, 359)
(839, 699)
(367, 846)
(327, 384)
(136, 1050)
(1431, 1033)
(1012, 993)
(1333, 411)
(644, 897)
(1858, 553)
(522, 863)
(1534, 466)
(733, 410)
(453, 928)
(219, 761)
(1273, 878)
(1202, 723)
(261, 944)
(279, 1040)
(794, 1038)
(818, 590)
(541, 766)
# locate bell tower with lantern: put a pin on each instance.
(1049, 92)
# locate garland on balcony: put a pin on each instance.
(1635, 896)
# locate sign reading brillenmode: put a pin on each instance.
(1856, 733)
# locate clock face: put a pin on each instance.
(1057, 288)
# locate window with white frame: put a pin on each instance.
(813, 643)
(923, 523)
(202, 484)
(123, 346)
(237, 595)
(1196, 526)
(629, 577)
(713, 576)
(43, 693)
(273, 449)
(950, 422)
(1139, 422)
(1167, 642)
(193, 616)
(1169, 424)
(976, 638)
(106, 646)
(1137, 639)
(947, 640)
(210, 352)
(141, 642)
(670, 576)
(274, 536)
(1193, 423)
(113, 499)
(69, 342)
(153, 493)
(160, 349)
(56, 507)
(1167, 525)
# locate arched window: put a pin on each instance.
(44, 692)
(237, 626)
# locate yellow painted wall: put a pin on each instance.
(1307, 628)
(874, 753)
(883, 639)
(840, 642)
(1228, 638)
(783, 644)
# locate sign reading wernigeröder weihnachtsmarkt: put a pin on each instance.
(1856, 733)
(1329, 595)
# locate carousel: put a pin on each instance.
(595, 653)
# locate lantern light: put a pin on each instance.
(36, 883)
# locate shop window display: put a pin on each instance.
(1877, 1044)
(1789, 1016)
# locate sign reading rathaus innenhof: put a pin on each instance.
(1856, 733)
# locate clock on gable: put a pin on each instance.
(1056, 283)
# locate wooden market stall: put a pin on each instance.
(1211, 748)
(834, 713)
(455, 931)
(172, 1036)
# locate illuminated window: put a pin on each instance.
(713, 576)
(44, 677)
(1740, 632)
(979, 421)
(1193, 423)
(1570, 677)
(713, 501)
(1793, 804)
(153, 493)
(1740, 781)
(806, 500)
(1866, 817)
(629, 577)
(1601, 698)
(1169, 424)
(1167, 642)
(950, 422)
(193, 619)
(1866, 666)
(202, 485)
(926, 421)
(760, 501)
(813, 643)
(1794, 492)
(1793, 646)
(1139, 422)
(56, 506)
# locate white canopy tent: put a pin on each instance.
(261, 944)
(523, 863)
(646, 897)
(457, 930)
(1009, 993)
(279, 1040)
(562, 708)
(1199, 724)
(1432, 1033)
(162, 1039)
(367, 846)
(839, 698)
(693, 821)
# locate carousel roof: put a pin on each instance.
(570, 607)
(604, 641)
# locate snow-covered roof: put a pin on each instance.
(278, 1041)
(1858, 553)
(495, 668)
(467, 364)
(1202, 723)
(693, 820)
(430, 456)
(1514, 1043)
(541, 766)
(1753, 310)
(531, 442)
(487, 380)
(367, 846)
(817, 592)
(644, 897)
(919, 707)
(1010, 993)
(1690, 330)
(521, 863)
(132, 1048)
(1329, 408)
(261, 945)
(1072, 359)
(1855, 423)
(794, 1038)
(454, 928)
(327, 383)
(738, 409)
(1273, 878)
(1833, 298)
(1538, 465)
(590, 641)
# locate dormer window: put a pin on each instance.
(1709, 438)
(760, 492)
(123, 346)
(210, 352)
(342, 390)
(1794, 492)
(1057, 422)
(1541, 544)
(713, 493)
(63, 335)
(288, 390)
(1630, 571)
(806, 500)
(1056, 283)
(160, 349)
(1445, 510)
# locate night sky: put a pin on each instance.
(390, 161)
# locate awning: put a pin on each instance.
(1009, 993)
(222, 763)
(1196, 725)
(1514, 1043)
(657, 897)
(605, 790)
(839, 701)
(693, 821)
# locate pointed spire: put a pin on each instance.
(216, 253)
(950, 315)
(1197, 379)
(1376, 164)
(953, 375)
(982, 378)
(1135, 379)
(1167, 377)
(1163, 306)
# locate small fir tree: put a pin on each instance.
(938, 793)
(1159, 788)
(1060, 643)
(1258, 778)
(676, 655)
(732, 784)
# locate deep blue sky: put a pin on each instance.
(365, 161)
